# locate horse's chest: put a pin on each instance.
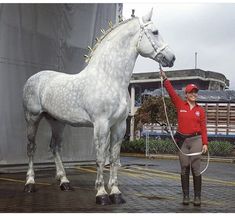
(121, 110)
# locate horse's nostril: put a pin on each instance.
(172, 62)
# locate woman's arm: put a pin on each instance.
(175, 98)
(204, 131)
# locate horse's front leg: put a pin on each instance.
(117, 134)
(102, 142)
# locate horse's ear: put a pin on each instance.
(148, 16)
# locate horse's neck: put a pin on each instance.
(115, 57)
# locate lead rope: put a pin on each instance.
(171, 133)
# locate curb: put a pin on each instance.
(175, 157)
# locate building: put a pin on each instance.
(37, 37)
(213, 95)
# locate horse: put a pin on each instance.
(97, 96)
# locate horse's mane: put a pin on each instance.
(105, 33)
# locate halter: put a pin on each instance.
(143, 27)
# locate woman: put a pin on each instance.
(192, 130)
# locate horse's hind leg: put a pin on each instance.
(55, 145)
(32, 122)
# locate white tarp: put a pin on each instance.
(36, 37)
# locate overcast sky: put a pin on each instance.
(205, 28)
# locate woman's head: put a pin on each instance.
(191, 92)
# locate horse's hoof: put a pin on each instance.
(117, 198)
(29, 188)
(66, 187)
(103, 200)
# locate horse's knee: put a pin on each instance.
(31, 137)
(100, 157)
(31, 148)
(115, 161)
(100, 163)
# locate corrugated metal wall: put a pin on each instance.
(36, 37)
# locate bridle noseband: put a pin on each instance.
(143, 27)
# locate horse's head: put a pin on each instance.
(151, 44)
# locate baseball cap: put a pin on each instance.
(190, 87)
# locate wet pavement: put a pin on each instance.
(148, 186)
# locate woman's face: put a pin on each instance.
(192, 96)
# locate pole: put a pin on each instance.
(132, 125)
(195, 60)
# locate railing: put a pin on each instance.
(220, 120)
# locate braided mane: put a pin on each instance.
(99, 40)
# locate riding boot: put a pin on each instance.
(197, 183)
(185, 187)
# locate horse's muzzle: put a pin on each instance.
(164, 61)
(172, 62)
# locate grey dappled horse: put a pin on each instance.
(97, 96)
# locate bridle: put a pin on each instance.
(144, 30)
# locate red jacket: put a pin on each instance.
(189, 121)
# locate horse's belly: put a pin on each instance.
(70, 115)
(74, 117)
(80, 123)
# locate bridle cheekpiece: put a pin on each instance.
(144, 30)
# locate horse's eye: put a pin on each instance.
(155, 32)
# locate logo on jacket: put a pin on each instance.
(197, 113)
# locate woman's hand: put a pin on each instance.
(162, 74)
(204, 148)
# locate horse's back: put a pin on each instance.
(33, 88)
